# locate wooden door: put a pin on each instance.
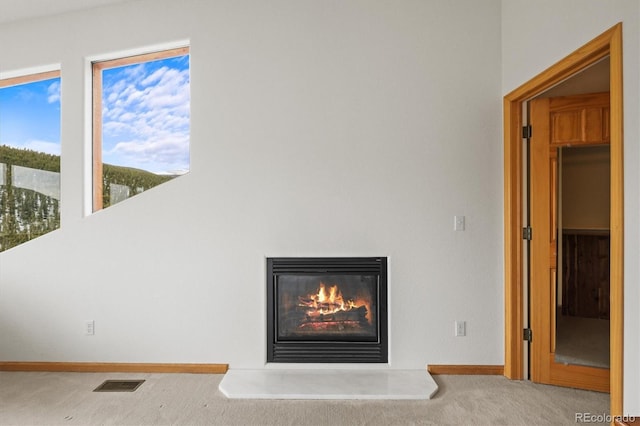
(557, 122)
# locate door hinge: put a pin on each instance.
(527, 334)
(527, 233)
(526, 131)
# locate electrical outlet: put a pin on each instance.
(90, 328)
(461, 328)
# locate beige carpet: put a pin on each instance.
(192, 399)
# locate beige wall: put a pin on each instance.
(585, 175)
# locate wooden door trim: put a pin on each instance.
(609, 44)
(478, 370)
(113, 367)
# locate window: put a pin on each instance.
(141, 119)
(29, 157)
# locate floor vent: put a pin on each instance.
(119, 386)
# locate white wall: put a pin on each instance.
(536, 34)
(319, 128)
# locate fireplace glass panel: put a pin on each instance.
(340, 307)
(327, 310)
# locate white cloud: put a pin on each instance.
(135, 72)
(115, 127)
(44, 146)
(165, 154)
(157, 75)
(146, 116)
(47, 147)
(133, 97)
(127, 116)
(120, 85)
(53, 92)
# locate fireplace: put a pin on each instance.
(327, 310)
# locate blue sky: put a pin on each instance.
(30, 116)
(146, 116)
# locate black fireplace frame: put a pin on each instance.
(327, 350)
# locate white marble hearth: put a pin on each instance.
(328, 384)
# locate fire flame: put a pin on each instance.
(329, 301)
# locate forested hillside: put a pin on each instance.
(24, 213)
(30, 187)
(135, 180)
(29, 158)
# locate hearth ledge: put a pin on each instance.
(328, 384)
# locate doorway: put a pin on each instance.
(569, 253)
(607, 44)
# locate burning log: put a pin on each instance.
(358, 314)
